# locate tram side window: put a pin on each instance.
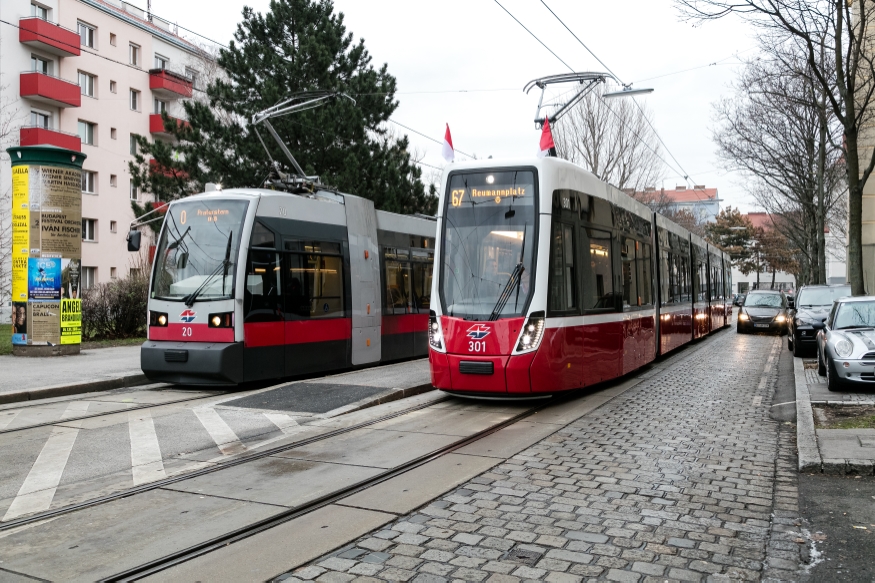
(262, 298)
(314, 286)
(399, 300)
(563, 285)
(645, 273)
(700, 281)
(262, 236)
(630, 275)
(422, 275)
(667, 279)
(598, 290)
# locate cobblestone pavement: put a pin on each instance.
(679, 478)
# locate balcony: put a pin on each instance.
(48, 36)
(156, 124)
(40, 136)
(168, 84)
(49, 89)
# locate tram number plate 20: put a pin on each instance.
(477, 346)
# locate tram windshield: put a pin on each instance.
(197, 253)
(488, 244)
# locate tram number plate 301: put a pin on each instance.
(477, 346)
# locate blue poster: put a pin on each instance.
(44, 279)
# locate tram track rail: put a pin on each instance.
(205, 547)
(245, 458)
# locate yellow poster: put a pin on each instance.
(20, 232)
(71, 321)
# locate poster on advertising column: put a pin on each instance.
(20, 233)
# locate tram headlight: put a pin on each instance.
(158, 319)
(435, 334)
(223, 320)
(532, 333)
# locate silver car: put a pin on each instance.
(846, 344)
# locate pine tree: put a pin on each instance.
(298, 45)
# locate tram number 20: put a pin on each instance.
(186, 332)
(477, 346)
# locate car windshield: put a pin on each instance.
(822, 296)
(763, 301)
(197, 238)
(488, 244)
(855, 315)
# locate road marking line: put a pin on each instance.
(147, 465)
(286, 423)
(757, 401)
(5, 421)
(224, 437)
(38, 490)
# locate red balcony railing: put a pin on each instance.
(156, 124)
(40, 136)
(48, 36)
(49, 89)
(164, 83)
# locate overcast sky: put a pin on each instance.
(465, 62)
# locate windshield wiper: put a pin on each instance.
(512, 281)
(191, 298)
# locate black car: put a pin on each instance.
(763, 311)
(812, 306)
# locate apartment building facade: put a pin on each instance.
(88, 75)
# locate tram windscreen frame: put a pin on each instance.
(490, 240)
(198, 237)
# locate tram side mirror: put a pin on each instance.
(182, 260)
(134, 240)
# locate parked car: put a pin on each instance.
(846, 344)
(763, 311)
(806, 320)
(738, 299)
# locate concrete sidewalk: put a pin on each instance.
(831, 451)
(31, 378)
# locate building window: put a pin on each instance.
(40, 120)
(193, 76)
(40, 65)
(86, 132)
(160, 106)
(113, 88)
(134, 148)
(88, 277)
(161, 62)
(89, 229)
(113, 134)
(135, 192)
(112, 38)
(89, 182)
(86, 84)
(113, 180)
(135, 100)
(112, 227)
(86, 35)
(112, 273)
(134, 55)
(40, 12)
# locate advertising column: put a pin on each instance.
(46, 250)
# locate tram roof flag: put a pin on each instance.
(547, 147)
(447, 151)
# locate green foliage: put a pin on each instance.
(117, 309)
(5, 339)
(734, 234)
(298, 45)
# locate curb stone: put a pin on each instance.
(121, 382)
(806, 439)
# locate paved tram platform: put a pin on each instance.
(684, 476)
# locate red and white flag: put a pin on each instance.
(547, 147)
(447, 151)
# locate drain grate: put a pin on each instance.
(522, 556)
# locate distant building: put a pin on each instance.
(702, 202)
(88, 75)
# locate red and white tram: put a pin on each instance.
(549, 279)
(258, 284)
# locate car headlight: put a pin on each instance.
(780, 318)
(743, 317)
(801, 322)
(844, 348)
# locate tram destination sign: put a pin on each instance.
(496, 193)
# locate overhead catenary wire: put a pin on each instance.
(427, 137)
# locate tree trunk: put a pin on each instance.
(821, 194)
(773, 279)
(855, 215)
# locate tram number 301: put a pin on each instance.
(477, 346)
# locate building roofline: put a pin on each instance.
(145, 26)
